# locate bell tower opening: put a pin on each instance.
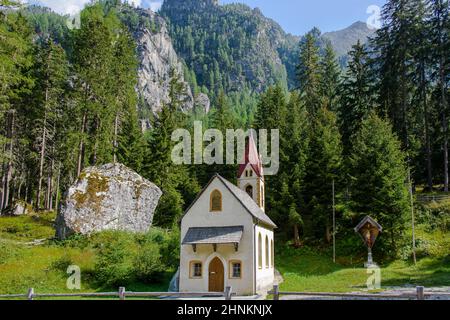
(249, 190)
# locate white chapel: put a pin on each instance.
(226, 237)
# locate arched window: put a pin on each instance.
(260, 264)
(249, 190)
(273, 254)
(216, 201)
(267, 253)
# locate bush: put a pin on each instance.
(147, 263)
(124, 257)
(115, 258)
(62, 263)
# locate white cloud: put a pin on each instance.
(64, 6)
(74, 6)
(155, 6)
(135, 3)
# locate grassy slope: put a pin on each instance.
(307, 271)
(23, 266)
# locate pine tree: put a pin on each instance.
(93, 56)
(51, 74)
(356, 94)
(396, 64)
(329, 77)
(222, 119)
(378, 171)
(309, 73)
(15, 83)
(125, 75)
(324, 165)
(439, 27)
(174, 180)
(296, 146)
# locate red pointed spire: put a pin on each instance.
(251, 157)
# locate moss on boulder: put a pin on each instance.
(110, 197)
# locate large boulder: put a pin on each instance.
(18, 208)
(110, 197)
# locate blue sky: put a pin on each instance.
(300, 16)
(295, 16)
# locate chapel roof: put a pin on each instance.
(214, 235)
(247, 202)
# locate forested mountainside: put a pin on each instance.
(212, 47)
(229, 47)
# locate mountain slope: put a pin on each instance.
(229, 47)
(343, 40)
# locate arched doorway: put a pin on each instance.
(216, 276)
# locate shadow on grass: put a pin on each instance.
(159, 285)
(305, 261)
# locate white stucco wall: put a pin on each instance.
(233, 214)
(265, 276)
(253, 279)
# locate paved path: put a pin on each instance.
(391, 290)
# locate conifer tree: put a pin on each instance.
(329, 77)
(356, 94)
(51, 74)
(174, 180)
(309, 73)
(15, 84)
(93, 56)
(378, 171)
(439, 27)
(324, 165)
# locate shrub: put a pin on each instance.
(62, 263)
(115, 258)
(147, 263)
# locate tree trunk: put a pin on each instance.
(328, 235)
(50, 186)
(57, 187)
(97, 128)
(116, 130)
(41, 163)
(296, 237)
(81, 146)
(427, 129)
(444, 122)
(9, 166)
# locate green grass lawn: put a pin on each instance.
(43, 267)
(305, 270)
(37, 267)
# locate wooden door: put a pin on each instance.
(216, 276)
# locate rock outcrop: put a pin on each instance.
(18, 208)
(110, 197)
(202, 102)
(157, 58)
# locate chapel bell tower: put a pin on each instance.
(251, 174)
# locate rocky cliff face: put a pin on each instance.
(110, 197)
(157, 58)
